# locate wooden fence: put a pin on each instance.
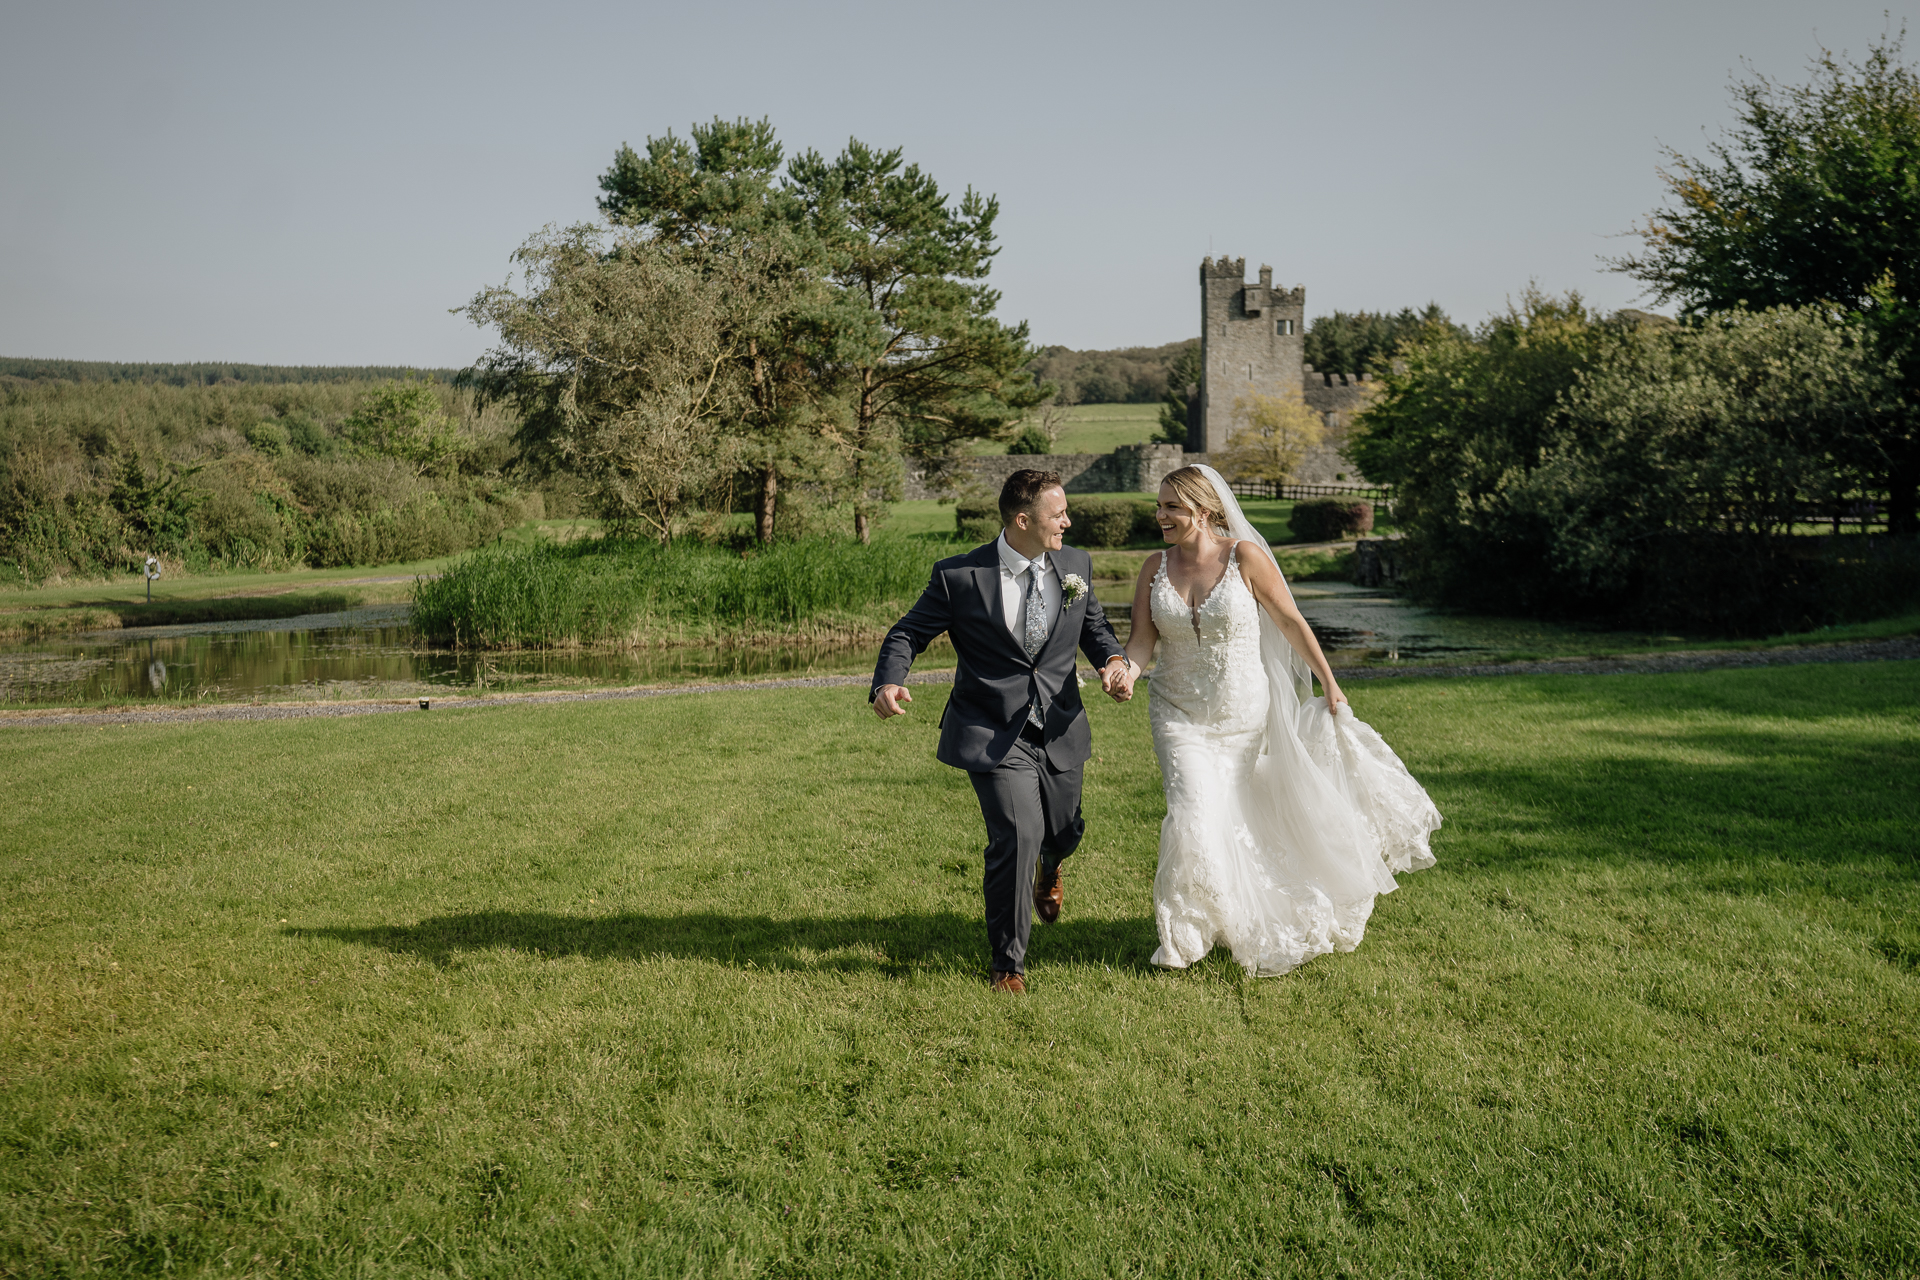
(1295, 492)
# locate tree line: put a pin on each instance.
(210, 373)
(1126, 375)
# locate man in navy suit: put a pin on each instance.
(1015, 609)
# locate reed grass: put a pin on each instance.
(548, 595)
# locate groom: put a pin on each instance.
(1015, 609)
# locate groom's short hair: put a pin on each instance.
(1023, 489)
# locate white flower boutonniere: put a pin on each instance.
(1074, 585)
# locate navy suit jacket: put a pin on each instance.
(996, 681)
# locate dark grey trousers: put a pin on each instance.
(1033, 816)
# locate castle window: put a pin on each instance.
(1283, 326)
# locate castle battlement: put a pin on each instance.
(1253, 343)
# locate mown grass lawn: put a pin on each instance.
(692, 986)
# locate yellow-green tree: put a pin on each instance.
(1276, 432)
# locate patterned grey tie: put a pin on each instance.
(1036, 611)
(1036, 631)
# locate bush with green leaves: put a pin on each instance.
(1109, 522)
(976, 522)
(1031, 440)
(1556, 463)
(1328, 519)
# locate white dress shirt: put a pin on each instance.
(1014, 569)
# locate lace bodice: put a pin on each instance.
(1207, 662)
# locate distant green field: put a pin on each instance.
(1098, 428)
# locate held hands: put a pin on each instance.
(1117, 680)
(888, 699)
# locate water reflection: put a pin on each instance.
(372, 653)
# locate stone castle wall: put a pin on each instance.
(1132, 468)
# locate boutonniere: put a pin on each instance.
(1074, 585)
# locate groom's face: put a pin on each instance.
(1046, 525)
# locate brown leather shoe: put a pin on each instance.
(1048, 894)
(1009, 982)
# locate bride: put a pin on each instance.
(1286, 815)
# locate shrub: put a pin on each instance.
(1031, 440)
(1106, 522)
(977, 521)
(1325, 519)
(309, 437)
(269, 437)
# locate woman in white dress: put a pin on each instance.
(1286, 815)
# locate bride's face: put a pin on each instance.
(1177, 521)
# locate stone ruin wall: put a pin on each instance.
(1132, 468)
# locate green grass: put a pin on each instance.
(1097, 428)
(692, 987)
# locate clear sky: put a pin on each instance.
(320, 184)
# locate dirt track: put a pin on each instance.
(1906, 647)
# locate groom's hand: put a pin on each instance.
(1117, 679)
(887, 700)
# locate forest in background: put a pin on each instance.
(97, 475)
(209, 373)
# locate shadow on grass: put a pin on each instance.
(892, 944)
(1789, 789)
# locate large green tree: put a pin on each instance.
(716, 198)
(887, 341)
(1811, 199)
(1185, 372)
(626, 360)
(912, 338)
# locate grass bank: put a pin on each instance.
(692, 987)
(551, 595)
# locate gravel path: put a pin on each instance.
(1903, 648)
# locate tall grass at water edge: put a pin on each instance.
(555, 596)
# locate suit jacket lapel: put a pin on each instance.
(986, 578)
(1064, 624)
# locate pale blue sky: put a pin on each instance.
(319, 184)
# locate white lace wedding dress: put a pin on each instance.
(1283, 822)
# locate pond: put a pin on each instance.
(365, 653)
(361, 653)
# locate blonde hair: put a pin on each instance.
(1196, 492)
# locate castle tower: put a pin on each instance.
(1252, 340)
